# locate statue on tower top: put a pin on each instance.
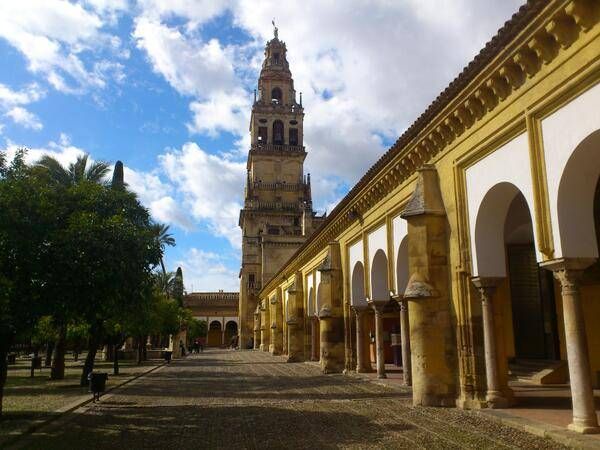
(275, 30)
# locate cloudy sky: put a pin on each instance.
(166, 87)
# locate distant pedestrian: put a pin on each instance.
(196, 346)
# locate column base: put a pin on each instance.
(264, 348)
(497, 401)
(364, 370)
(381, 375)
(583, 428)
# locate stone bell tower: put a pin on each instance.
(277, 216)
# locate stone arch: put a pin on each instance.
(489, 254)
(215, 335)
(311, 302)
(575, 200)
(402, 274)
(319, 299)
(379, 276)
(358, 286)
(276, 94)
(231, 329)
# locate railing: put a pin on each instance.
(255, 204)
(279, 186)
(277, 148)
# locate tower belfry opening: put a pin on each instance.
(277, 216)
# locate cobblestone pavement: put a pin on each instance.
(235, 400)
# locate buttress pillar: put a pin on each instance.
(432, 339)
(265, 325)
(295, 320)
(331, 314)
(276, 307)
(257, 333)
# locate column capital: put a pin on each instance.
(561, 264)
(358, 310)
(486, 285)
(377, 305)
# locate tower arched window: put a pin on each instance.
(276, 95)
(278, 132)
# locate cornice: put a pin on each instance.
(531, 40)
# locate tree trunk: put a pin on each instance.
(49, 351)
(116, 359)
(32, 369)
(88, 366)
(5, 342)
(140, 350)
(57, 372)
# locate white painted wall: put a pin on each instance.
(508, 164)
(377, 240)
(355, 254)
(400, 232)
(562, 133)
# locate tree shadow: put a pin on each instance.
(112, 425)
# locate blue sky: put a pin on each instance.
(166, 87)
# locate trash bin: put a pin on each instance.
(168, 355)
(98, 382)
(36, 362)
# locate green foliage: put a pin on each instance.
(197, 328)
(45, 331)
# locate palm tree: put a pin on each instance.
(164, 282)
(164, 238)
(80, 170)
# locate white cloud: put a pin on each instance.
(25, 118)
(11, 103)
(211, 185)
(195, 12)
(54, 35)
(191, 66)
(62, 150)
(207, 271)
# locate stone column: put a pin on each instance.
(405, 336)
(223, 336)
(295, 321)
(257, 328)
(380, 355)
(314, 351)
(569, 272)
(276, 344)
(331, 315)
(497, 396)
(432, 335)
(265, 330)
(362, 358)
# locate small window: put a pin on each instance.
(276, 58)
(273, 230)
(278, 132)
(262, 135)
(276, 95)
(293, 136)
(251, 280)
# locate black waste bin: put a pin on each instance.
(36, 362)
(168, 355)
(98, 382)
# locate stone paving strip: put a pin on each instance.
(225, 399)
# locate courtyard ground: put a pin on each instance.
(225, 399)
(29, 401)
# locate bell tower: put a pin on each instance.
(277, 216)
